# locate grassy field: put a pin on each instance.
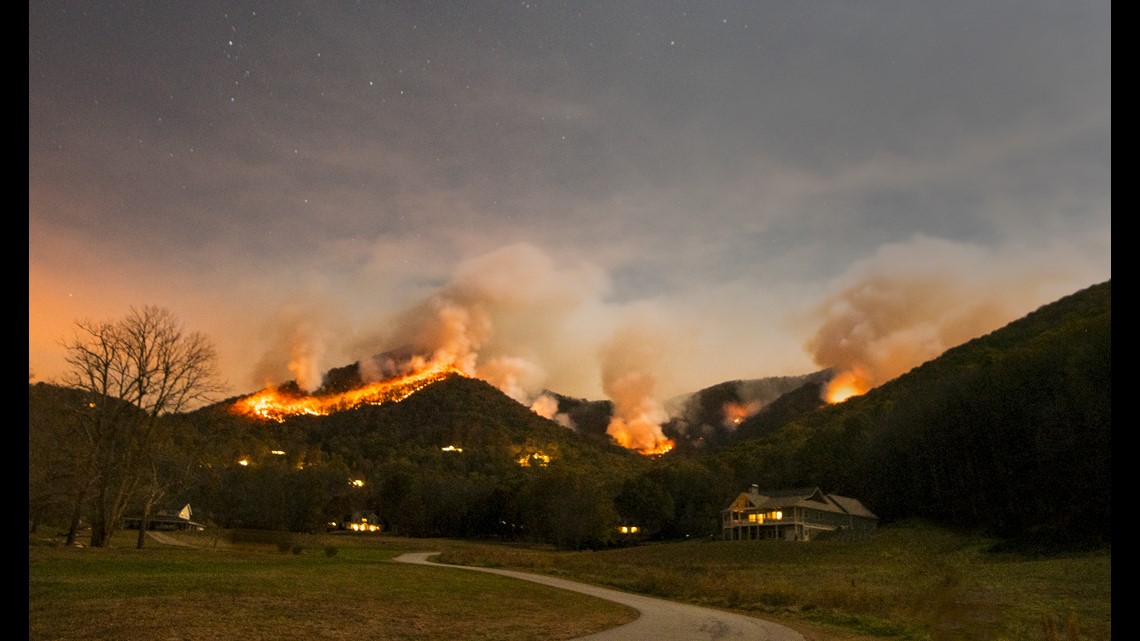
(329, 588)
(909, 583)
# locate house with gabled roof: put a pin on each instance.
(166, 520)
(799, 514)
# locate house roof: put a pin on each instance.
(809, 497)
(852, 506)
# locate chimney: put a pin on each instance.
(755, 489)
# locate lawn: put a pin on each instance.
(333, 590)
(910, 582)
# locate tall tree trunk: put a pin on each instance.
(152, 498)
(143, 525)
(73, 527)
(100, 536)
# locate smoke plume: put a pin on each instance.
(546, 406)
(630, 362)
(913, 301)
(502, 317)
(305, 338)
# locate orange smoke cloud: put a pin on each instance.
(449, 332)
(305, 355)
(546, 406)
(297, 332)
(630, 362)
(735, 413)
(514, 376)
(499, 317)
(909, 304)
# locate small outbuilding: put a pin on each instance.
(168, 520)
(799, 514)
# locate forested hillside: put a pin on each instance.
(459, 458)
(1009, 433)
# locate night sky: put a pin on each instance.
(571, 194)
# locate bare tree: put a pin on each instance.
(133, 371)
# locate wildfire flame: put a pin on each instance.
(639, 439)
(535, 459)
(845, 385)
(735, 413)
(272, 405)
(269, 404)
(659, 449)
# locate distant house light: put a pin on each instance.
(451, 448)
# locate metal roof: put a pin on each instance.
(808, 497)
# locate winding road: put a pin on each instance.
(660, 620)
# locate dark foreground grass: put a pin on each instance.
(323, 588)
(910, 582)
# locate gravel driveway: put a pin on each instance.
(660, 620)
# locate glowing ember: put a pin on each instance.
(269, 404)
(536, 459)
(845, 385)
(735, 413)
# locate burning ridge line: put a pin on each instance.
(271, 405)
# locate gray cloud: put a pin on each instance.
(295, 179)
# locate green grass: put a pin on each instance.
(258, 592)
(910, 582)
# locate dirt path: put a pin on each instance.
(660, 620)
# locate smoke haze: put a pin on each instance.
(912, 301)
